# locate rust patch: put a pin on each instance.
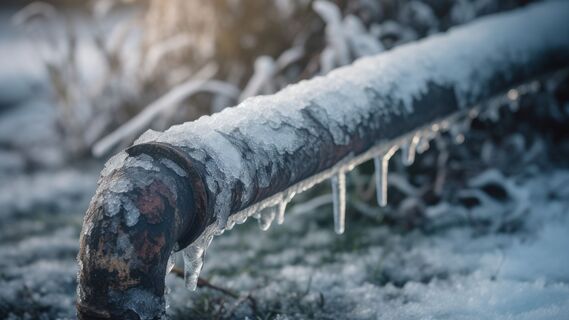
(151, 206)
(151, 202)
(113, 263)
(149, 247)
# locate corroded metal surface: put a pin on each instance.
(123, 263)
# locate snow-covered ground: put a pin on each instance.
(472, 266)
(463, 270)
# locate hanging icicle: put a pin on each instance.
(193, 257)
(193, 263)
(339, 200)
(409, 150)
(423, 144)
(281, 211)
(287, 197)
(381, 170)
(266, 217)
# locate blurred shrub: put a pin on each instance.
(158, 62)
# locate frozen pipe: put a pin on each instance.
(150, 202)
(180, 187)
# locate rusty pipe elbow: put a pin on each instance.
(149, 202)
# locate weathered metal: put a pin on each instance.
(124, 249)
(122, 267)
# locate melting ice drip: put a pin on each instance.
(274, 207)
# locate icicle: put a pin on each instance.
(281, 213)
(266, 217)
(287, 197)
(339, 198)
(381, 168)
(408, 150)
(423, 145)
(193, 261)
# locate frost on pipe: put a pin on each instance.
(175, 190)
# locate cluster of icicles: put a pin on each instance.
(410, 144)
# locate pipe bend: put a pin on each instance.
(143, 208)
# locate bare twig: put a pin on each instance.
(264, 71)
(167, 101)
(203, 283)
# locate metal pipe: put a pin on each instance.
(178, 188)
(135, 220)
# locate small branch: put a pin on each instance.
(167, 101)
(203, 283)
(264, 71)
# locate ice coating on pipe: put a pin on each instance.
(274, 127)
